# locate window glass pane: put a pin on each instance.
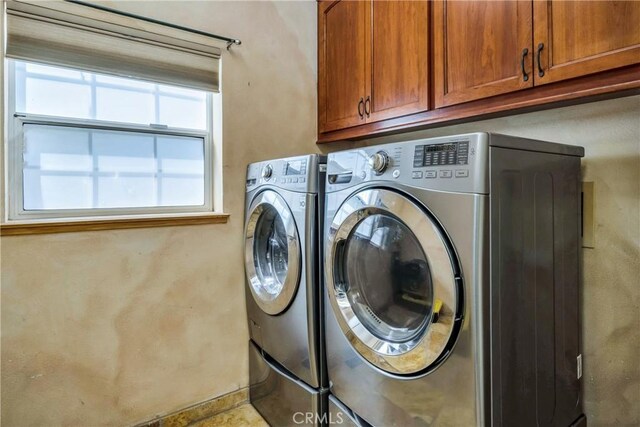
(125, 106)
(181, 190)
(180, 155)
(63, 149)
(124, 152)
(47, 70)
(80, 168)
(57, 98)
(179, 112)
(122, 191)
(44, 190)
(123, 82)
(181, 91)
(62, 92)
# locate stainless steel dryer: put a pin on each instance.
(282, 262)
(452, 276)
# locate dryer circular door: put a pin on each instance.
(392, 282)
(272, 252)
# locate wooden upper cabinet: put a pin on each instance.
(398, 54)
(583, 37)
(391, 65)
(481, 49)
(374, 51)
(341, 64)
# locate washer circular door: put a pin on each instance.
(272, 252)
(392, 282)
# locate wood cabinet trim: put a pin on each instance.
(117, 223)
(614, 83)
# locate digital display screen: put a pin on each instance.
(448, 154)
(440, 147)
(295, 168)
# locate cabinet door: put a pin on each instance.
(341, 63)
(398, 53)
(584, 37)
(481, 49)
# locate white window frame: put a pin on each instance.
(14, 162)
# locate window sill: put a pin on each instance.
(67, 225)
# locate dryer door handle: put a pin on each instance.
(340, 178)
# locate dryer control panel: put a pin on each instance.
(291, 173)
(458, 163)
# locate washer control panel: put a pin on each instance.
(447, 154)
(456, 163)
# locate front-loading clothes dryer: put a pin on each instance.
(284, 202)
(452, 273)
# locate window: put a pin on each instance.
(89, 144)
(109, 115)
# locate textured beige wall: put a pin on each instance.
(110, 328)
(610, 133)
(113, 327)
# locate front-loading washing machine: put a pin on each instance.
(284, 203)
(452, 276)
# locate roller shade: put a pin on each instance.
(72, 35)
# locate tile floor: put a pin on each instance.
(242, 416)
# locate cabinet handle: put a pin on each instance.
(367, 106)
(361, 108)
(540, 70)
(525, 76)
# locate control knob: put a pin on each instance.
(267, 171)
(379, 162)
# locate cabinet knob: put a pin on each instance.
(361, 108)
(367, 106)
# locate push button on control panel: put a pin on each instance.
(462, 173)
(416, 175)
(430, 174)
(445, 174)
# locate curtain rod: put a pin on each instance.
(230, 41)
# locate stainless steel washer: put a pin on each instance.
(452, 280)
(282, 262)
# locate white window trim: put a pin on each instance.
(14, 146)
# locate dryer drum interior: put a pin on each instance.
(393, 282)
(272, 252)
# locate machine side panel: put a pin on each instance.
(535, 324)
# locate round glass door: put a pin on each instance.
(391, 282)
(272, 252)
